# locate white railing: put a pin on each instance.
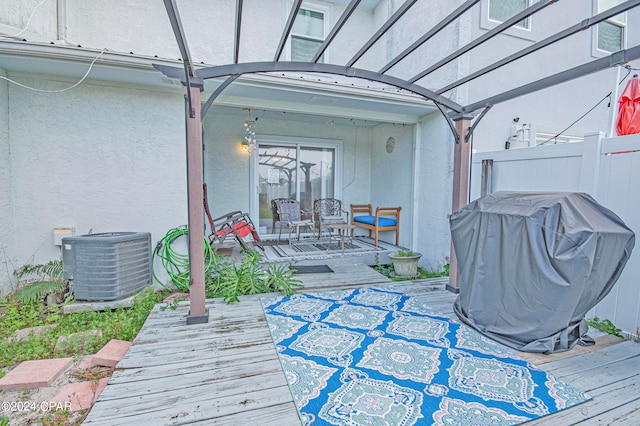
(608, 170)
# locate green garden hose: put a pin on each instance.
(177, 264)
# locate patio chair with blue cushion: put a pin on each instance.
(385, 219)
(327, 211)
(289, 213)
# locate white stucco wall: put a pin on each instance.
(100, 158)
(7, 256)
(392, 176)
(434, 191)
(15, 16)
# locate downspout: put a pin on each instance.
(61, 6)
(7, 217)
(415, 220)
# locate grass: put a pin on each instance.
(121, 324)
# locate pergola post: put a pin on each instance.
(460, 198)
(198, 313)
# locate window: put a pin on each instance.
(501, 10)
(307, 34)
(610, 33)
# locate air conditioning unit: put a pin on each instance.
(107, 266)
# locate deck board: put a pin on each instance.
(227, 372)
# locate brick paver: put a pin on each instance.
(35, 374)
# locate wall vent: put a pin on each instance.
(107, 266)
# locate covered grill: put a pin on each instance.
(533, 264)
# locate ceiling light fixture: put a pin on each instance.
(249, 142)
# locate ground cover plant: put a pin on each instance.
(605, 326)
(92, 330)
(121, 324)
(42, 292)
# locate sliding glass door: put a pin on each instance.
(303, 170)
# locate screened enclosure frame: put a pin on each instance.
(461, 119)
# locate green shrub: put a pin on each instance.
(38, 281)
(229, 279)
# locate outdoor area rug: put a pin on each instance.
(319, 249)
(379, 357)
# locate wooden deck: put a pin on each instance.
(226, 372)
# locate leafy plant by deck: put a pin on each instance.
(230, 280)
(605, 326)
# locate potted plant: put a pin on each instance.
(405, 263)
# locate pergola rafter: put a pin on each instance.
(429, 34)
(287, 29)
(581, 26)
(336, 29)
(458, 117)
(485, 37)
(382, 30)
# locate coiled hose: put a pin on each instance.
(177, 264)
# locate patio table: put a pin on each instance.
(341, 229)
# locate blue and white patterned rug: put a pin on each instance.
(380, 357)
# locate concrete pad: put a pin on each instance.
(111, 353)
(35, 374)
(78, 396)
(79, 306)
(26, 333)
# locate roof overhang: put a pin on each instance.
(303, 96)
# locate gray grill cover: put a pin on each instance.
(533, 264)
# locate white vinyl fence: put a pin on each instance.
(608, 170)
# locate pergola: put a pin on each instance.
(462, 119)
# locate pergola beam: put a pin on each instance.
(485, 37)
(236, 39)
(581, 26)
(262, 67)
(287, 29)
(176, 25)
(383, 29)
(216, 93)
(336, 29)
(617, 58)
(432, 32)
